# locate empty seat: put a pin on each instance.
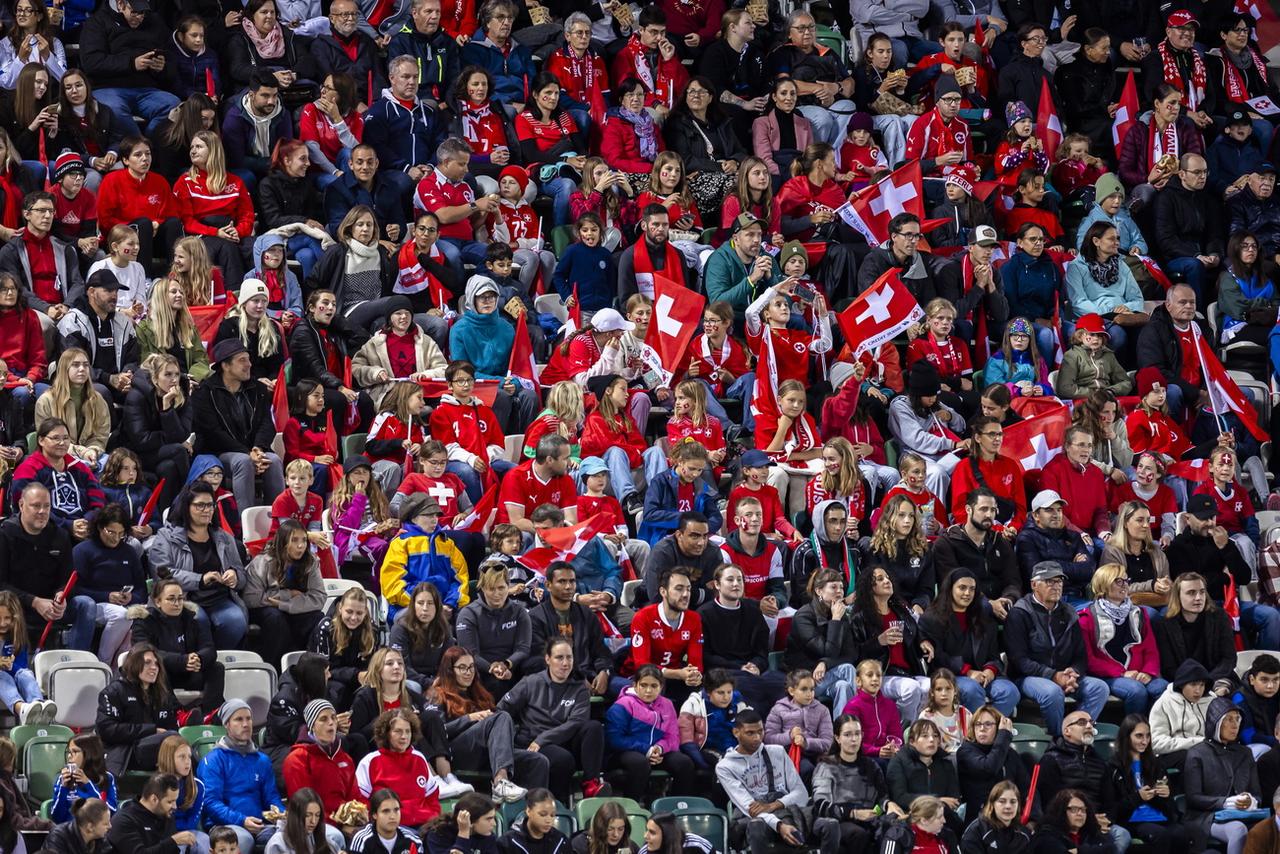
(75, 686)
(255, 683)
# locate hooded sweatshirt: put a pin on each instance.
(484, 340)
(818, 551)
(880, 720)
(1176, 722)
(250, 137)
(329, 770)
(633, 724)
(1216, 771)
(284, 292)
(496, 634)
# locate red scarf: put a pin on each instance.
(645, 271)
(583, 70)
(980, 314)
(413, 277)
(1199, 76)
(481, 128)
(275, 288)
(1236, 86)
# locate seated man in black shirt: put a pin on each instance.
(736, 638)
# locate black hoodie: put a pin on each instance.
(33, 565)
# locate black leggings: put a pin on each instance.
(151, 238)
(232, 256)
(209, 682)
(1162, 836)
(282, 632)
(171, 462)
(636, 770)
(584, 752)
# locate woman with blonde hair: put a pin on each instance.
(840, 479)
(214, 204)
(900, 547)
(262, 336)
(74, 399)
(1133, 546)
(360, 273)
(202, 283)
(169, 328)
(1119, 642)
(347, 638)
(564, 416)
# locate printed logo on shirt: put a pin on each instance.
(684, 636)
(153, 199)
(510, 625)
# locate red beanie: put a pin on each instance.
(520, 175)
(1148, 377)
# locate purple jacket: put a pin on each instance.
(814, 720)
(632, 724)
(880, 719)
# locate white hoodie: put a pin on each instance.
(1177, 723)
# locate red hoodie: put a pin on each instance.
(332, 777)
(22, 344)
(123, 198)
(303, 442)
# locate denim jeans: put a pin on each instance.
(912, 48)
(1191, 270)
(250, 842)
(1092, 694)
(152, 104)
(560, 189)
(19, 686)
(82, 614)
(1264, 620)
(115, 628)
(619, 472)
(740, 389)
(1001, 693)
(227, 621)
(838, 685)
(458, 252)
(829, 123)
(471, 479)
(306, 249)
(1137, 698)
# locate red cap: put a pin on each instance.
(520, 175)
(1092, 323)
(1182, 18)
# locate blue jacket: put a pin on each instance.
(1024, 370)
(592, 270)
(192, 69)
(1031, 285)
(1035, 544)
(236, 786)
(292, 290)
(347, 192)
(64, 797)
(597, 570)
(1228, 160)
(660, 513)
(1130, 235)
(415, 556)
(133, 497)
(511, 73)
(484, 340)
(400, 137)
(1086, 295)
(189, 818)
(103, 571)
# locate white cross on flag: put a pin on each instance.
(879, 313)
(1048, 127)
(1126, 114)
(871, 208)
(1224, 394)
(1036, 440)
(481, 515)
(564, 543)
(1196, 471)
(677, 316)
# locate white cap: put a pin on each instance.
(250, 288)
(1046, 498)
(609, 320)
(984, 235)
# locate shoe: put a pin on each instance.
(505, 790)
(632, 504)
(29, 711)
(596, 788)
(452, 787)
(1273, 501)
(49, 710)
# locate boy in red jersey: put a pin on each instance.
(755, 474)
(470, 431)
(297, 502)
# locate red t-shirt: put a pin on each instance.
(590, 505)
(655, 642)
(897, 652)
(1234, 507)
(1190, 358)
(444, 490)
(523, 487)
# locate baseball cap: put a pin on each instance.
(592, 465)
(746, 219)
(104, 279)
(1238, 117)
(754, 459)
(1046, 498)
(1182, 18)
(984, 235)
(609, 320)
(1202, 507)
(1265, 169)
(1047, 570)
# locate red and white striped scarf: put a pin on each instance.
(1172, 76)
(1237, 87)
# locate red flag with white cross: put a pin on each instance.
(871, 208)
(879, 313)
(677, 317)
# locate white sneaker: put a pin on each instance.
(29, 711)
(505, 790)
(49, 711)
(452, 787)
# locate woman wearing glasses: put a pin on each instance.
(184, 644)
(1119, 641)
(1022, 78)
(77, 490)
(1070, 825)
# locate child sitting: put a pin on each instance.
(881, 721)
(793, 260)
(860, 157)
(800, 719)
(1033, 204)
(586, 268)
(1178, 715)
(1090, 364)
(19, 690)
(641, 732)
(75, 207)
(1075, 169)
(678, 490)
(959, 208)
(593, 499)
(789, 435)
(421, 552)
(520, 228)
(689, 423)
(609, 433)
(514, 298)
(1021, 149)
(755, 467)
(948, 353)
(396, 434)
(912, 468)
(122, 262)
(84, 775)
(563, 416)
(505, 544)
(706, 719)
(537, 831)
(1018, 363)
(284, 294)
(120, 486)
(306, 432)
(943, 709)
(1149, 425)
(362, 520)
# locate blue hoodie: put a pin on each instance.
(484, 340)
(133, 497)
(660, 515)
(1032, 285)
(292, 290)
(236, 785)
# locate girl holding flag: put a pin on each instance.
(396, 435)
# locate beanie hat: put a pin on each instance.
(962, 175)
(1107, 185)
(860, 121)
(1016, 111)
(598, 385)
(520, 176)
(840, 374)
(1147, 378)
(229, 708)
(924, 380)
(790, 250)
(67, 162)
(313, 710)
(946, 85)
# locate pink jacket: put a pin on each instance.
(1142, 656)
(814, 720)
(765, 138)
(879, 717)
(630, 715)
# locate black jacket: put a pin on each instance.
(1189, 552)
(137, 830)
(816, 638)
(1249, 213)
(146, 428)
(1174, 640)
(1187, 223)
(329, 274)
(175, 637)
(1073, 766)
(344, 667)
(590, 655)
(243, 58)
(1052, 840)
(666, 554)
(330, 57)
(954, 648)
(420, 664)
(1035, 545)
(982, 837)
(33, 565)
(66, 839)
(307, 349)
(1158, 346)
(1042, 642)
(108, 47)
(733, 638)
(365, 708)
(347, 192)
(1120, 792)
(913, 576)
(1152, 74)
(867, 630)
(1020, 80)
(285, 724)
(105, 131)
(993, 563)
(284, 200)
(124, 720)
(684, 138)
(232, 422)
(909, 777)
(980, 767)
(438, 57)
(936, 283)
(1085, 90)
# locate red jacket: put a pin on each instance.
(22, 344)
(837, 420)
(303, 443)
(663, 84)
(122, 199)
(1085, 491)
(409, 776)
(195, 203)
(620, 147)
(1141, 656)
(332, 777)
(1003, 476)
(599, 436)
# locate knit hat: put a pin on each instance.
(840, 374)
(229, 708)
(1107, 185)
(67, 162)
(924, 380)
(251, 288)
(598, 385)
(860, 121)
(1019, 326)
(1092, 323)
(791, 249)
(520, 176)
(1147, 378)
(946, 85)
(313, 710)
(1016, 111)
(962, 175)
(1190, 671)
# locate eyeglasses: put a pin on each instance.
(701, 93)
(201, 505)
(1196, 171)
(1243, 247)
(462, 381)
(985, 725)
(1036, 39)
(950, 99)
(1122, 581)
(908, 235)
(1241, 31)
(999, 434)
(464, 668)
(174, 600)
(426, 229)
(805, 28)
(24, 11)
(41, 210)
(1077, 809)
(59, 440)
(1082, 722)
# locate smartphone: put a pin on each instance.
(128, 588)
(6, 650)
(805, 292)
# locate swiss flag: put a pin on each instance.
(1224, 394)
(1156, 273)
(1193, 470)
(1126, 115)
(149, 508)
(522, 366)
(207, 318)
(1038, 439)
(564, 543)
(1048, 127)
(574, 323)
(871, 208)
(677, 316)
(482, 513)
(280, 402)
(879, 313)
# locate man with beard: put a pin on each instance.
(437, 54)
(1177, 62)
(1047, 656)
(685, 549)
(668, 635)
(1071, 762)
(364, 184)
(248, 150)
(979, 549)
(1188, 231)
(560, 614)
(108, 336)
(346, 50)
(736, 638)
(738, 271)
(651, 254)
